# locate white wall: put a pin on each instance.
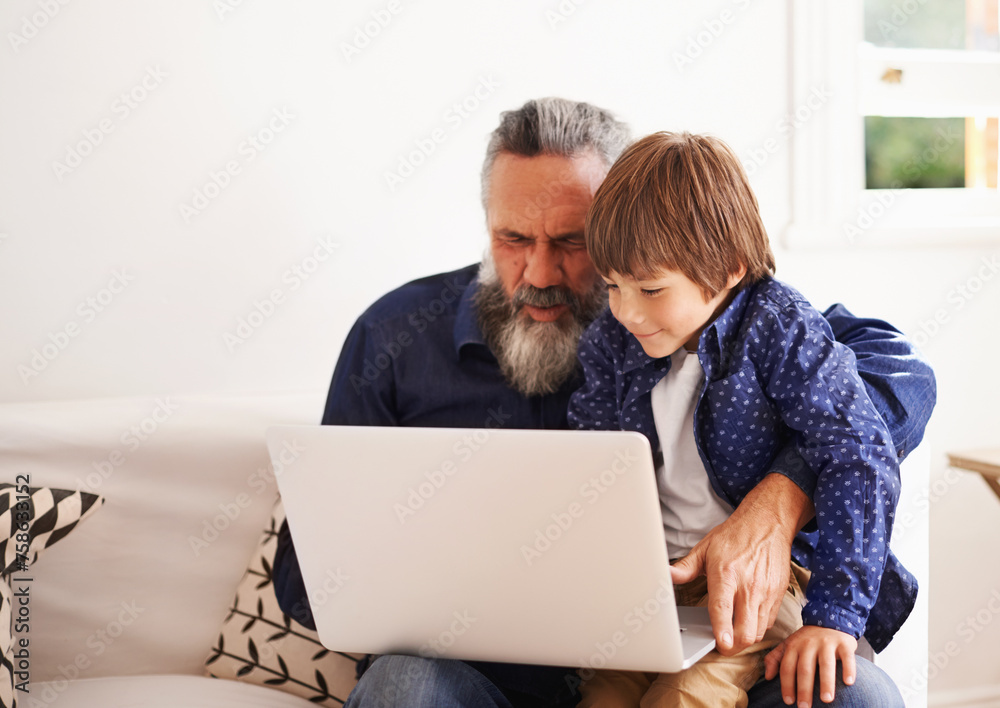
(323, 176)
(216, 77)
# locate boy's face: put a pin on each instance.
(666, 312)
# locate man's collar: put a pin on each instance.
(467, 330)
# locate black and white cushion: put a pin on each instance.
(31, 520)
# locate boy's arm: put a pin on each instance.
(745, 558)
(813, 381)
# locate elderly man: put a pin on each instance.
(498, 341)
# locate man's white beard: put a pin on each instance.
(536, 358)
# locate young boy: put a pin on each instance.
(721, 366)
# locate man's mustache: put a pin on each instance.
(544, 297)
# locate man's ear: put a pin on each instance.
(735, 278)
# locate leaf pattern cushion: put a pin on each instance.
(260, 644)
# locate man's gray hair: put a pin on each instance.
(555, 126)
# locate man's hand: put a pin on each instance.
(747, 559)
(796, 659)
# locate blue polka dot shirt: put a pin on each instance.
(776, 378)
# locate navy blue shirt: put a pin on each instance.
(417, 357)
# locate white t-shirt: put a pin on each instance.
(689, 505)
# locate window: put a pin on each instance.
(907, 150)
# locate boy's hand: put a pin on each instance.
(796, 659)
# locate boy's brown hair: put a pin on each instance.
(681, 202)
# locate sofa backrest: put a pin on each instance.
(143, 586)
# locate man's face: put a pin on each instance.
(538, 290)
(535, 215)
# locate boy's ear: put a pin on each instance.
(735, 278)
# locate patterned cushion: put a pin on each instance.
(31, 519)
(260, 644)
(7, 695)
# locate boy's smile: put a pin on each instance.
(667, 311)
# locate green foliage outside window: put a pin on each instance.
(914, 152)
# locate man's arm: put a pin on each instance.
(746, 559)
(899, 382)
(355, 398)
(287, 580)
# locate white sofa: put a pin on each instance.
(125, 610)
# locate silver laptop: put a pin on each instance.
(525, 546)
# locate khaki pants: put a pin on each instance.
(716, 681)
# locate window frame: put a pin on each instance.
(830, 206)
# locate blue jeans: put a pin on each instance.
(415, 682)
(872, 689)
